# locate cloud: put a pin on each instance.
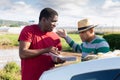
(63, 6)
(18, 11)
(111, 8)
(110, 4)
(5, 4)
(70, 11)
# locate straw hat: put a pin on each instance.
(84, 25)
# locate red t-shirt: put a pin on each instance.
(32, 68)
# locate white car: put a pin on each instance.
(100, 69)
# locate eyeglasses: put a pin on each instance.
(53, 22)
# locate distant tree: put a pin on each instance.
(14, 25)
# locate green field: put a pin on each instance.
(65, 46)
(11, 40)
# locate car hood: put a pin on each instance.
(66, 72)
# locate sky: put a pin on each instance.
(104, 12)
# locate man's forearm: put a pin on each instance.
(29, 53)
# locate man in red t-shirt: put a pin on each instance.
(36, 40)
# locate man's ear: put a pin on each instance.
(91, 30)
(43, 19)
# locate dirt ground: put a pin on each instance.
(78, 56)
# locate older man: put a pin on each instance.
(91, 44)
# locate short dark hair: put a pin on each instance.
(47, 13)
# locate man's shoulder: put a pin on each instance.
(31, 26)
(98, 39)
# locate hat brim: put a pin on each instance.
(87, 28)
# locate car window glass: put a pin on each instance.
(98, 75)
(117, 77)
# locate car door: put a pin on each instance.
(113, 74)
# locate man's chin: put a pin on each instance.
(50, 30)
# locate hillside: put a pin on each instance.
(11, 23)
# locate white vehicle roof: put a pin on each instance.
(66, 72)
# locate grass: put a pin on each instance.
(11, 40)
(12, 71)
(75, 37)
